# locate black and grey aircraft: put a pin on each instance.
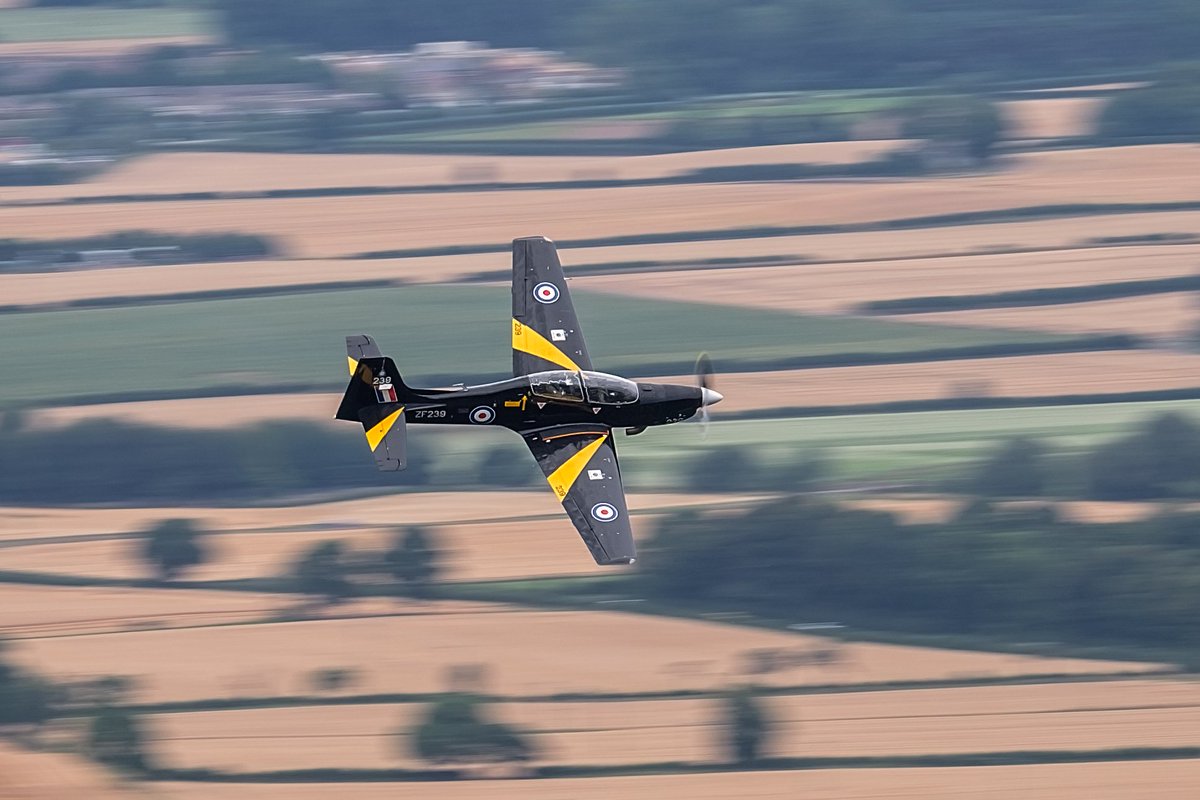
(565, 411)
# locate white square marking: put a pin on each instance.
(558, 335)
(595, 475)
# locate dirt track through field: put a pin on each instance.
(330, 227)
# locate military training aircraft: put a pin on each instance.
(563, 409)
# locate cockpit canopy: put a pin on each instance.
(598, 388)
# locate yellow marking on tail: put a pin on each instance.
(375, 435)
(353, 364)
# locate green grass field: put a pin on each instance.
(60, 24)
(433, 332)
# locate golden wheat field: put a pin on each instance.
(476, 552)
(527, 652)
(1019, 376)
(256, 172)
(419, 508)
(931, 508)
(1082, 716)
(93, 47)
(41, 611)
(335, 226)
(1170, 316)
(1163, 780)
(52, 776)
(922, 249)
(825, 288)
(1051, 118)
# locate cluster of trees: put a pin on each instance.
(171, 66)
(1159, 460)
(706, 46)
(735, 468)
(455, 731)
(991, 570)
(103, 461)
(329, 571)
(1169, 106)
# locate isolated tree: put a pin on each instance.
(24, 699)
(115, 737)
(454, 731)
(172, 546)
(321, 572)
(412, 560)
(746, 726)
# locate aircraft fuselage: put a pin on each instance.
(512, 404)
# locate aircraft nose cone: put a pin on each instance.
(710, 398)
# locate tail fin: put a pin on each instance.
(375, 397)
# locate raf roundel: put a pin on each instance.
(605, 512)
(482, 415)
(545, 293)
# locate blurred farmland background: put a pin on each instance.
(941, 539)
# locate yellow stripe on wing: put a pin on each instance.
(375, 435)
(563, 478)
(527, 340)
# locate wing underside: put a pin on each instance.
(580, 463)
(546, 332)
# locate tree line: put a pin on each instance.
(707, 46)
(992, 570)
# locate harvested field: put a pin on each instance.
(37, 611)
(178, 173)
(871, 724)
(932, 509)
(417, 508)
(924, 245)
(91, 47)
(26, 775)
(839, 288)
(1171, 316)
(528, 652)
(1163, 780)
(1023, 376)
(481, 552)
(337, 226)
(1051, 118)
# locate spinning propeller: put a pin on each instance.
(709, 396)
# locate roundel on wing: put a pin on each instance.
(545, 292)
(605, 512)
(482, 415)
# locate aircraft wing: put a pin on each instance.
(546, 333)
(580, 463)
